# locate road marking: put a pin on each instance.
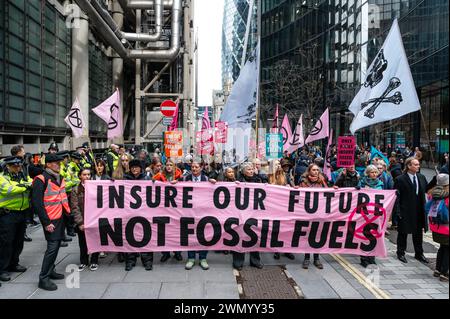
(363, 280)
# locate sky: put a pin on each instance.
(208, 23)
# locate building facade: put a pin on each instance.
(347, 35)
(235, 18)
(51, 54)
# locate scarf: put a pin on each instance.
(55, 175)
(372, 183)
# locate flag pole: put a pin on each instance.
(428, 137)
(92, 154)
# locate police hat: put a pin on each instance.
(51, 158)
(12, 160)
(63, 154)
(85, 145)
(75, 155)
(136, 162)
(53, 146)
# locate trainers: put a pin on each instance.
(443, 278)
(437, 273)
(204, 264)
(93, 267)
(103, 255)
(190, 264)
(82, 267)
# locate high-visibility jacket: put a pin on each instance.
(13, 196)
(68, 178)
(115, 158)
(73, 170)
(85, 163)
(55, 198)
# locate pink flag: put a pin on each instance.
(174, 125)
(275, 122)
(327, 162)
(206, 124)
(110, 111)
(321, 130)
(286, 131)
(75, 119)
(297, 140)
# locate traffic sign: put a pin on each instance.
(167, 121)
(168, 108)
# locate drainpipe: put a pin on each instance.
(148, 4)
(107, 33)
(164, 55)
(149, 37)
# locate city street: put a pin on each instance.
(342, 277)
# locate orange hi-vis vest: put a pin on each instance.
(55, 198)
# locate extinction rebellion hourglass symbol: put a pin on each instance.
(75, 118)
(113, 121)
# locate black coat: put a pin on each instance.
(410, 208)
(347, 180)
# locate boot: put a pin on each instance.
(47, 285)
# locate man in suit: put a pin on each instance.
(197, 176)
(411, 189)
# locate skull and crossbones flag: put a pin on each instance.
(75, 120)
(110, 111)
(388, 91)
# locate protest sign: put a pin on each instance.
(346, 151)
(142, 216)
(173, 144)
(274, 146)
(221, 131)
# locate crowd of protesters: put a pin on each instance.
(419, 204)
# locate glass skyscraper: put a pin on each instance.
(233, 38)
(348, 34)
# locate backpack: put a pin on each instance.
(437, 212)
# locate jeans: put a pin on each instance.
(201, 254)
(12, 230)
(84, 257)
(48, 264)
(442, 259)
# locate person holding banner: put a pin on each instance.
(229, 175)
(313, 178)
(370, 181)
(349, 177)
(77, 208)
(197, 176)
(50, 209)
(277, 176)
(169, 174)
(137, 174)
(248, 176)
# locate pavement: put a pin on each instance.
(341, 278)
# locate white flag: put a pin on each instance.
(388, 92)
(240, 109)
(75, 119)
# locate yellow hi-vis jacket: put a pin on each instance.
(14, 196)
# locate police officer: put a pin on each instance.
(112, 158)
(14, 203)
(49, 198)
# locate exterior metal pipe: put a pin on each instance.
(158, 27)
(164, 55)
(107, 33)
(107, 18)
(148, 4)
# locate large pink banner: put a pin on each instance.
(131, 216)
